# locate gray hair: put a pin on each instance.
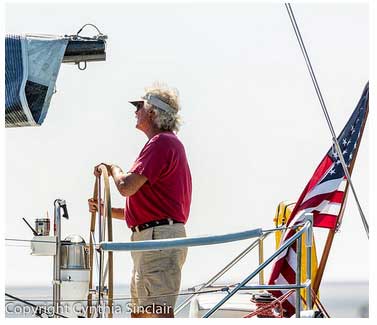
(165, 120)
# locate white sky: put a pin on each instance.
(254, 131)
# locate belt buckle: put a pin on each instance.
(170, 221)
(137, 228)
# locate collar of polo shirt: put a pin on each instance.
(157, 102)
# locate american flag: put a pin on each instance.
(323, 196)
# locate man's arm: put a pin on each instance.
(116, 213)
(127, 184)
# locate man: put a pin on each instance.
(158, 197)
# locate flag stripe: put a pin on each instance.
(336, 197)
(321, 170)
(327, 187)
(291, 260)
(324, 220)
(326, 207)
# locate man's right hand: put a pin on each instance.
(93, 206)
(117, 213)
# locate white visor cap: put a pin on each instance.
(157, 102)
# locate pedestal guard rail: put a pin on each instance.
(148, 245)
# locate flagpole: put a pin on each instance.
(325, 112)
(330, 236)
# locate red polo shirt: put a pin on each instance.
(167, 192)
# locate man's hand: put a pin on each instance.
(97, 171)
(93, 205)
(117, 213)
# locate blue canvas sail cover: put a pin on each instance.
(32, 65)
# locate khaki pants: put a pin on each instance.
(156, 276)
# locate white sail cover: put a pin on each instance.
(32, 64)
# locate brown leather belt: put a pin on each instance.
(155, 223)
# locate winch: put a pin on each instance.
(74, 253)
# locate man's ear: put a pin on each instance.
(151, 114)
